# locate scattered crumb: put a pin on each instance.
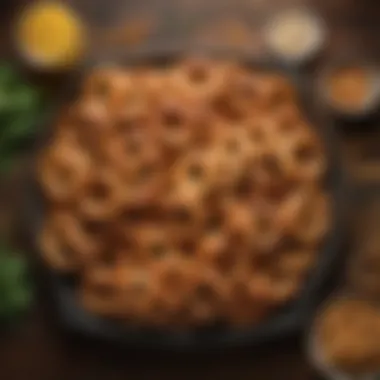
(131, 32)
(228, 33)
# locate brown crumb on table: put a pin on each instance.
(131, 32)
(231, 33)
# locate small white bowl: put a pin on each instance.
(312, 24)
(37, 60)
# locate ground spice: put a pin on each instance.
(349, 87)
(348, 335)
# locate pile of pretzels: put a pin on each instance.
(184, 195)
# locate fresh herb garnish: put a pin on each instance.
(21, 108)
(15, 289)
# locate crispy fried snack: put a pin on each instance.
(184, 195)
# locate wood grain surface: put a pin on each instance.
(38, 349)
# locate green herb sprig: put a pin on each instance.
(15, 288)
(21, 108)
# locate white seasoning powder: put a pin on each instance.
(294, 34)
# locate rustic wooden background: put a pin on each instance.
(38, 349)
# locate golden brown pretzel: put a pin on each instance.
(176, 278)
(64, 169)
(90, 117)
(303, 155)
(126, 153)
(109, 85)
(240, 223)
(65, 242)
(261, 130)
(104, 196)
(239, 97)
(144, 184)
(215, 252)
(295, 263)
(272, 289)
(241, 309)
(179, 121)
(152, 242)
(207, 296)
(120, 291)
(135, 115)
(275, 161)
(315, 219)
(267, 232)
(304, 215)
(233, 153)
(190, 180)
(54, 251)
(291, 207)
(210, 247)
(200, 78)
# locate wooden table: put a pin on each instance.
(38, 349)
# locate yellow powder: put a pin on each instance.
(50, 34)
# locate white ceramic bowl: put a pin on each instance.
(316, 25)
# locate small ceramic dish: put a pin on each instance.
(319, 361)
(295, 36)
(350, 90)
(49, 36)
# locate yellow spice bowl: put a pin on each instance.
(50, 36)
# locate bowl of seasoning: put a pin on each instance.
(344, 344)
(295, 36)
(49, 35)
(351, 90)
